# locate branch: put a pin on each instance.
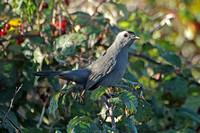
(84, 59)
(26, 35)
(110, 108)
(145, 57)
(166, 20)
(11, 104)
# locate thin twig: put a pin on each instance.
(11, 104)
(84, 59)
(18, 130)
(145, 57)
(110, 108)
(54, 12)
(43, 111)
(96, 9)
(64, 6)
(60, 21)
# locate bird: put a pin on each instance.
(106, 71)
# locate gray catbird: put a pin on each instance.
(107, 70)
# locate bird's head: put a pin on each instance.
(126, 38)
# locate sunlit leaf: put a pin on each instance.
(54, 104)
(38, 56)
(130, 101)
(97, 93)
(87, 123)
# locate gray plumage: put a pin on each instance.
(107, 70)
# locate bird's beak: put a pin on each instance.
(136, 38)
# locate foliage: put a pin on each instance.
(159, 92)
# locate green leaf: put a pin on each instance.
(8, 78)
(164, 69)
(187, 73)
(121, 9)
(172, 58)
(54, 104)
(131, 83)
(11, 116)
(131, 126)
(82, 18)
(130, 101)
(124, 24)
(134, 86)
(108, 129)
(176, 90)
(32, 130)
(73, 122)
(192, 102)
(46, 29)
(54, 82)
(38, 56)
(188, 113)
(85, 127)
(144, 111)
(119, 106)
(97, 93)
(66, 44)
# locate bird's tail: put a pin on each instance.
(47, 73)
(79, 76)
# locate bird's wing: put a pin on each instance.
(98, 73)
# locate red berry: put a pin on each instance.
(0, 34)
(63, 24)
(67, 2)
(3, 31)
(47, 106)
(20, 40)
(44, 99)
(45, 6)
(7, 26)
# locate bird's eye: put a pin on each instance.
(125, 35)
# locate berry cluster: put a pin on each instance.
(4, 31)
(45, 6)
